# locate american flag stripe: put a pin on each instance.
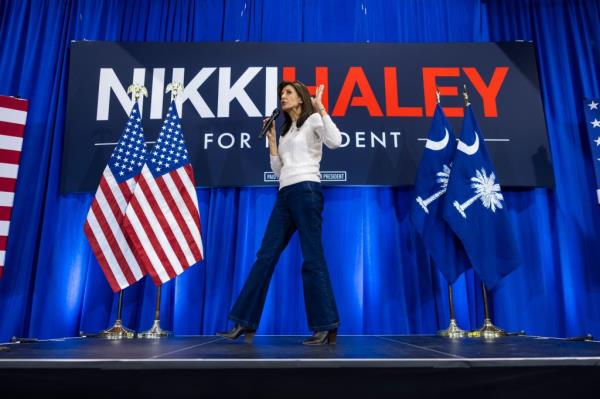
(11, 143)
(9, 156)
(146, 242)
(6, 199)
(181, 218)
(13, 115)
(4, 214)
(13, 103)
(189, 182)
(7, 184)
(115, 195)
(4, 227)
(11, 129)
(9, 170)
(152, 227)
(108, 241)
(107, 237)
(170, 222)
(104, 256)
(168, 240)
(114, 252)
(167, 222)
(111, 226)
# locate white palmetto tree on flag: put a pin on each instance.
(486, 189)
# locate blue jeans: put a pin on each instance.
(298, 207)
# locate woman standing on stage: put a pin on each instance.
(298, 208)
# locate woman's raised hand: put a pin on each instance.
(316, 100)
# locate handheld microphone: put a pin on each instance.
(267, 125)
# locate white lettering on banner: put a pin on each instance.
(331, 176)
(207, 139)
(345, 139)
(270, 90)
(395, 136)
(190, 91)
(110, 82)
(244, 140)
(157, 96)
(228, 93)
(359, 139)
(227, 140)
(230, 139)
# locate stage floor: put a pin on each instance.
(287, 351)
(375, 366)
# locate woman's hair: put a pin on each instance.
(306, 106)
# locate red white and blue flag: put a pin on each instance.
(592, 122)
(104, 224)
(162, 219)
(13, 114)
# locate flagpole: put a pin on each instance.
(453, 331)
(155, 331)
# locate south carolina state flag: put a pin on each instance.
(474, 208)
(431, 183)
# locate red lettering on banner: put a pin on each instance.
(430, 85)
(321, 78)
(392, 108)
(489, 92)
(356, 78)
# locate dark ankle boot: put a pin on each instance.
(322, 338)
(238, 331)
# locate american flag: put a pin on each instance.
(163, 220)
(104, 224)
(592, 122)
(13, 113)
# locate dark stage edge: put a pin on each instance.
(280, 366)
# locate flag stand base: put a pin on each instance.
(155, 332)
(117, 331)
(453, 331)
(488, 331)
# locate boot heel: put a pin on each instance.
(331, 337)
(249, 336)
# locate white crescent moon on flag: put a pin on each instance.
(469, 149)
(438, 145)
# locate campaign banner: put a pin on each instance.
(381, 96)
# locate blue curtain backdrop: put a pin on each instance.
(383, 281)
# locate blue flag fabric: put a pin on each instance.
(475, 210)
(430, 186)
(592, 122)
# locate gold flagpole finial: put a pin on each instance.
(137, 91)
(466, 96)
(437, 95)
(175, 88)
